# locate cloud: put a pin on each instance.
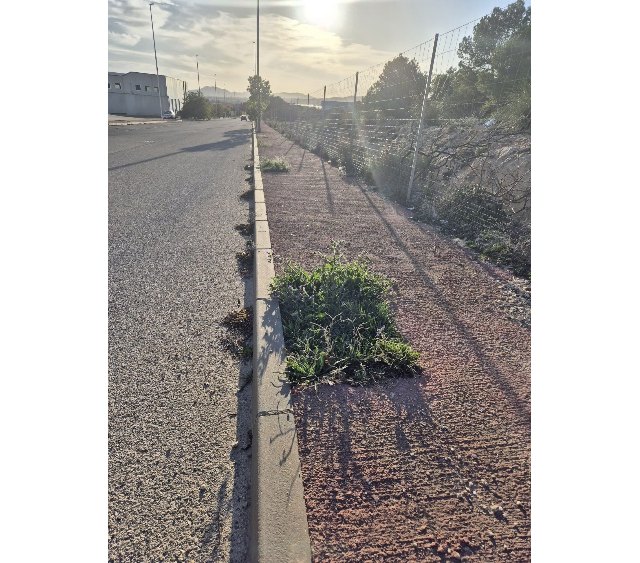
(294, 56)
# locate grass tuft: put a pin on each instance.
(274, 165)
(338, 324)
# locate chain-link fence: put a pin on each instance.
(443, 128)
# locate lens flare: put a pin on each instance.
(323, 13)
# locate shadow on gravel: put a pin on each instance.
(234, 138)
(499, 379)
(341, 431)
(302, 160)
(330, 203)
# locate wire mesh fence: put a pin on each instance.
(443, 128)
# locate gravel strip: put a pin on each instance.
(432, 468)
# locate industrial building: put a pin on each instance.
(136, 94)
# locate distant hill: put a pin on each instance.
(288, 96)
(296, 97)
(222, 93)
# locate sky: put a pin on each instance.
(304, 44)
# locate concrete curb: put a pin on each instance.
(278, 530)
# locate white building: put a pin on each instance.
(136, 93)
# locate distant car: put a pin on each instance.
(168, 114)
(244, 118)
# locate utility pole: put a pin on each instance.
(153, 33)
(258, 65)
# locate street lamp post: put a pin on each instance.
(254, 60)
(153, 33)
(258, 63)
(198, 70)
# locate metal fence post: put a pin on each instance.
(324, 117)
(419, 135)
(354, 131)
(355, 93)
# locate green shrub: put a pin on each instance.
(515, 114)
(467, 211)
(196, 106)
(494, 245)
(505, 250)
(390, 172)
(338, 324)
(274, 165)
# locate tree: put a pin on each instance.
(494, 72)
(460, 93)
(196, 106)
(398, 91)
(258, 90)
(492, 32)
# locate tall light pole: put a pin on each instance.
(254, 60)
(153, 33)
(215, 90)
(198, 70)
(258, 63)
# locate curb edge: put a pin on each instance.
(278, 529)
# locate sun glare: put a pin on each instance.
(324, 13)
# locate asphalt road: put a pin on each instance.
(178, 488)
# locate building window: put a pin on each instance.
(155, 88)
(138, 87)
(117, 86)
(109, 85)
(146, 88)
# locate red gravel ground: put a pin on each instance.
(432, 468)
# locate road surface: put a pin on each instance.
(178, 426)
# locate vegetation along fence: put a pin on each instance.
(444, 128)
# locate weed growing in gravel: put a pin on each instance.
(245, 260)
(239, 325)
(245, 229)
(338, 324)
(274, 165)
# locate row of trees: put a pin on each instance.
(493, 77)
(197, 106)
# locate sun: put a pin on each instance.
(323, 13)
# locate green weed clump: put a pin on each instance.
(274, 165)
(338, 324)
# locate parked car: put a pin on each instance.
(168, 114)
(244, 118)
